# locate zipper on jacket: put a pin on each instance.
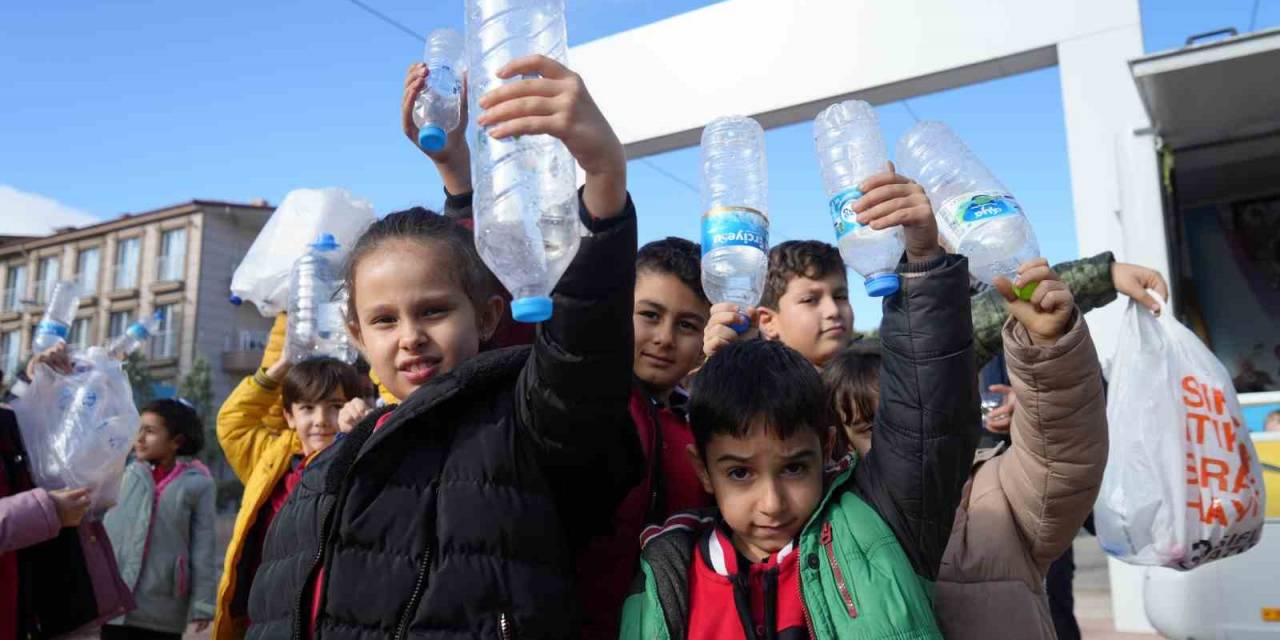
(419, 586)
(504, 627)
(315, 566)
(804, 606)
(845, 595)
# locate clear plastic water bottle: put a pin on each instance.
(735, 222)
(134, 337)
(977, 216)
(526, 200)
(850, 150)
(54, 327)
(316, 325)
(437, 109)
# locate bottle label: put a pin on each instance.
(843, 217)
(734, 227)
(55, 328)
(961, 212)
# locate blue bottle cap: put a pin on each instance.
(432, 138)
(236, 300)
(882, 285)
(533, 309)
(325, 242)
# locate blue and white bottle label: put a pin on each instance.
(961, 212)
(843, 217)
(55, 328)
(734, 227)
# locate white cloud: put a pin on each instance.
(31, 214)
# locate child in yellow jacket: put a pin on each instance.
(273, 424)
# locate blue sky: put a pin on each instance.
(133, 105)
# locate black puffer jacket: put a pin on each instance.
(457, 517)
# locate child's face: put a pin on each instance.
(413, 319)
(154, 443)
(813, 317)
(766, 488)
(316, 421)
(669, 319)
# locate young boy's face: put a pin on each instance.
(316, 421)
(766, 488)
(669, 318)
(813, 317)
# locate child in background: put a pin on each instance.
(268, 448)
(1023, 505)
(793, 552)
(455, 512)
(669, 315)
(57, 573)
(162, 527)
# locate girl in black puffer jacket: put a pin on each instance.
(455, 514)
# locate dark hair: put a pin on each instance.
(852, 382)
(798, 259)
(180, 420)
(757, 382)
(676, 257)
(424, 226)
(312, 380)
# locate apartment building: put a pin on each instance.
(176, 261)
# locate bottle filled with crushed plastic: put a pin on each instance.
(134, 337)
(316, 321)
(55, 325)
(437, 109)
(850, 150)
(735, 219)
(526, 200)
(977, 216)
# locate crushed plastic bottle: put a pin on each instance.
(316, 321)
(437, 109)
(735, 222)
(526, 201)
(850, 150)
(134, 337)
(55, 326)
(977, 216)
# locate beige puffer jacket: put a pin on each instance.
(1024, 504)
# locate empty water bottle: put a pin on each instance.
(735, 222)
(316, 325)
(850, 150)
(526, 201)
(54, 327)
(977, 216)
(134, 337)
(437, 109)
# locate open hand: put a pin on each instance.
(1047, 315)
(889, 200)
(71, 505)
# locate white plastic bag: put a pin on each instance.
(263, 276)
(1183, 484)
(78, 428)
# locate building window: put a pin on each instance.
(117, 323)
(87, 264)
(80, 331)
(126, 263)
(9, 342)
(15, 286)
(46, 277)
(173, 255)
(164, 344)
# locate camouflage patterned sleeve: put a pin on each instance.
(1090, 282)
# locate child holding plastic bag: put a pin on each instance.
(163, 527)
(57, 571)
